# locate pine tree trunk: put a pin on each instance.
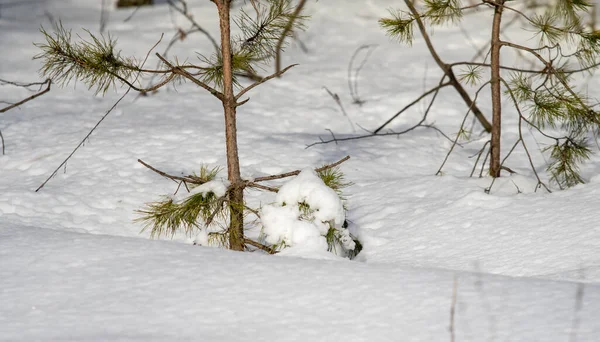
(496, 92)
(236, 195)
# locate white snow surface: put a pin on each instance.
(75, 267)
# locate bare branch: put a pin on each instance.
(48, 83)
(284, 34)
(97, 124)
(425, 94)
(448, 70)
(337, 100)
(375, 133)
(259, 246)
(297, 172)
(181, 71)
(183, 11)
(185, 179)
(265, 79)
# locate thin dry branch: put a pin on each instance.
(262, 187)
(448, 70)
(376, 134)
(97, 124)
(245, 183)
(263, 80)
(462, 125)
(297, 172)
(185, 179)
(184, 11)
(417, 100)
(259, 246)
(47, 82)
(337, 100)
(181, 71)
(284, 34)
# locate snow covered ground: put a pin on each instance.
(74, 265)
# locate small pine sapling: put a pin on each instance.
(98, 64)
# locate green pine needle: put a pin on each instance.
(399, 26)
(335, 179)
(94, 62)
(168, 217)
(565, 160)
(442, 11)
(472, 76)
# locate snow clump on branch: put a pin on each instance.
(307, 214)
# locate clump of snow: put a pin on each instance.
(308, 187)
(304, 212)
(217, 187)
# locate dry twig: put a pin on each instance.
(47, 83)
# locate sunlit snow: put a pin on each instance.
(520, 264)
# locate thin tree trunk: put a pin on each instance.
(496, 92)
(236, 195)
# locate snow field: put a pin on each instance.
(74, 265)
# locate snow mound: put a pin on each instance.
(304, 213)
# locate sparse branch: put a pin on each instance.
(181, 71)
(262, 187)
(284, 35)
(483, 149)
(448, 70)
(95, 126)
(265, 79)
(527, 71)
(521, 119)
(462, 125)
(259, 246)
(297, 172)
(376, 133)
(183, 11)
(47, 83)
(550, 70)
(185, 179)
(417, 100)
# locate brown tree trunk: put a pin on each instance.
(496, 92)
(236, 195)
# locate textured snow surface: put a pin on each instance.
(61, 286)
(74, 265)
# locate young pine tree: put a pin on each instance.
(97, 63)
(545, 96)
